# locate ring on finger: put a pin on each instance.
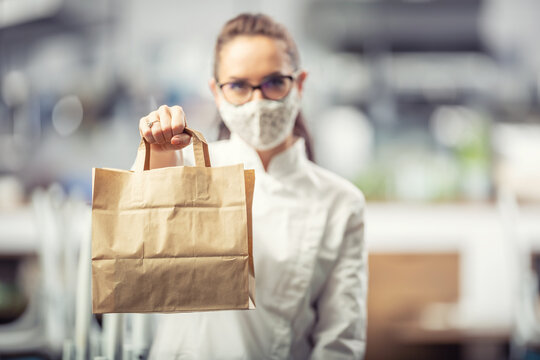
(150, 123)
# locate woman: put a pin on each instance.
(309, 252)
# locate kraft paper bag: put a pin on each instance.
(172, 239)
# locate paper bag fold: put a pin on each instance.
(172, 239)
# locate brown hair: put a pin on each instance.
(260, 24)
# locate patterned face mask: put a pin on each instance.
(263, 124)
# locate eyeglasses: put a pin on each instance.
(274, 87)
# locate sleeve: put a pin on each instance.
(340, 331)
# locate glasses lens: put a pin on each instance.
(276, 87)
(236, 92)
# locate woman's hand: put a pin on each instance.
(164, 129)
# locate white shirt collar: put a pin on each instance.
(282, 164)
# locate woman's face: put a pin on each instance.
(252, 59)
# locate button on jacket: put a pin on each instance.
(310, 269)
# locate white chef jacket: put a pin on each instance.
(310, 269)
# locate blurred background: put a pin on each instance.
(431, 107)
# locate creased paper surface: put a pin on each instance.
(172, 239)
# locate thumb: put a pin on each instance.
(180, 139)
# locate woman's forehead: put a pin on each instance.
(253, 58)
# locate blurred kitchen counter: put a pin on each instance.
(486, 268)
(402, 226)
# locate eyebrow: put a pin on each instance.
(234, 78)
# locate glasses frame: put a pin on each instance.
(291, 77)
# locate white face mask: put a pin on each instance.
(263, 124)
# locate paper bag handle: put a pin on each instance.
(200, 150)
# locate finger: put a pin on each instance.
(181, 140)
(145, 130)
(178, 120)
(165, 122)
(156, 128)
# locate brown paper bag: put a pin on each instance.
(172, 239)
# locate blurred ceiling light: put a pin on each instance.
(19, 11)
(15, 88)
(67, 115)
